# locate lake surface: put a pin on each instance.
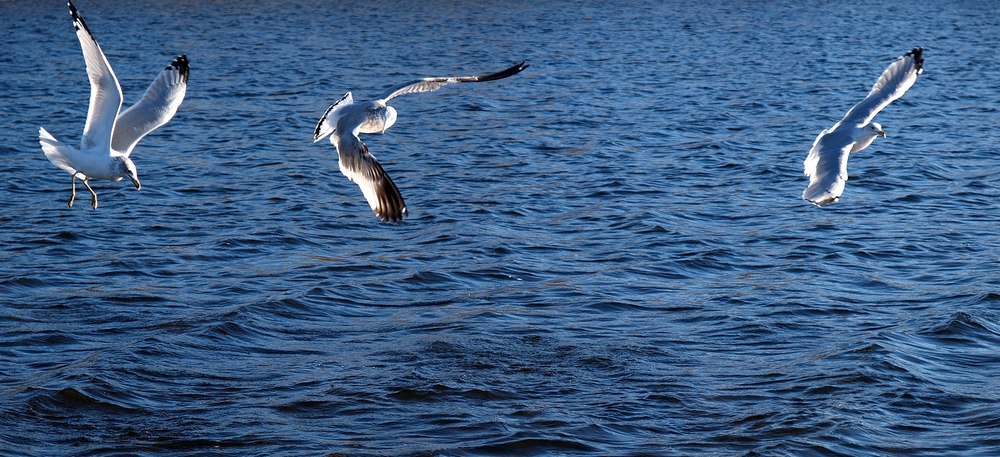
(606, 254)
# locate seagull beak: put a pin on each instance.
(882, 132)
(136, 183)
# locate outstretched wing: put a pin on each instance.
(156, 107)
(826, 166)
(363, 168)
(894, 82)
(432, 84)
(105, 93)
(328, 123)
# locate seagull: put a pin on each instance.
(110, 136)
(826, 164)
(345, 119)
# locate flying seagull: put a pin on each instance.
(345, 119)
(826, 164)
(110, 136)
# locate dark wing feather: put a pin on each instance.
(432, 84)
(156, 107)
(363, 168)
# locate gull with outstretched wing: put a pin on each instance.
(826, 164)
(110, 135)
(345, 119)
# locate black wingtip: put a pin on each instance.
(394, 210)
(393, 217)
(918, 58)
(181, 64)
(391, 208)
(504, 73)
(77, 18)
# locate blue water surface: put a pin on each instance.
(606, 254)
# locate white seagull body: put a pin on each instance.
(110, 136)
(345, 119)
(826, 164)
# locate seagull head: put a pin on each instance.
(126, 169)
(379, 117)
(390, 118)
(877, 129)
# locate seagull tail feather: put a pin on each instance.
(57, 152)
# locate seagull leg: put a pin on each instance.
(72, 196)
(93, 195)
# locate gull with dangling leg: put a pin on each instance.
(110, 135)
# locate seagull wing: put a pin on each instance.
(363, 168)
(105, 93)
(328, 123)
(432, 84)
(826, 166)
(157, 106)
(894, 82)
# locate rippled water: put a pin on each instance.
(606, 254)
